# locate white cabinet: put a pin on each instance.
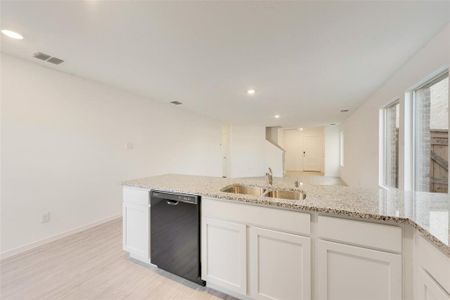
(224, 255)
(428, 288)
(353, 273)
(136, 223)
(275, 261)
(432, 272)
(279, 265)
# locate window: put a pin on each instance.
(391, 125)
(430, 135)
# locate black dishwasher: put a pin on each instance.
(175, 234)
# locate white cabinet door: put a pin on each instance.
(429, 259)
(136, 223)
(354, 273)
(428, 289)
(224, 255)
(280, 265)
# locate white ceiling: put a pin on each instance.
(306, 60)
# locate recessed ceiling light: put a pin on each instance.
(251, 92)
(276, 116)
(345, 110)
(12, 34)
(300, 129)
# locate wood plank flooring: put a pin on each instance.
(91, 265)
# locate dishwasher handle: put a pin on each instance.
(172, 202)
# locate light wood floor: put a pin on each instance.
(91, 265)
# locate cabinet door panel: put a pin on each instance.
(436, 264)
(429, 289)
(279, 265)
(136, 231)
(224, 254)
(354, 273)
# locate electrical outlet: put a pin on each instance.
(45, 217)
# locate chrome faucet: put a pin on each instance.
(299, 185)
(269, 177)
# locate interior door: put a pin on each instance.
(312, 153)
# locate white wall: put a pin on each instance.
(331, 141)
(247, 151)
(251, 154)
(272, 134)
(274, 159)
(273, 152)
(63, 149)
(275, 135)
(281, 137)
(294, 142)
(361, 129)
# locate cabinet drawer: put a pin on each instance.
(136, 195)
(272, 218)
(379, 236)
(433, 261)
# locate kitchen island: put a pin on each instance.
(348, 243)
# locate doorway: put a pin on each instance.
(304, 150)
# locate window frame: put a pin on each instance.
(383, 144)
(407, 140)
(428, 81)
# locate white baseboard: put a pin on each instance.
(19, 250)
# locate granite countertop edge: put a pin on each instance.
(292, 206)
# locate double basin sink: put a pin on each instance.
(264, 192)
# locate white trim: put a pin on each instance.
(21, 249)
(382, 143)
(408, 142)
(142, 259)
(341, 148)
(438, 72)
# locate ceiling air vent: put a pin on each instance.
(41, 56)
(55, 60)
(48, 58)
(176, 102)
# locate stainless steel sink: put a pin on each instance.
(243, 189)
(258, 191)
(289, 195)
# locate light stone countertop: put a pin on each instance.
(427, 212)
